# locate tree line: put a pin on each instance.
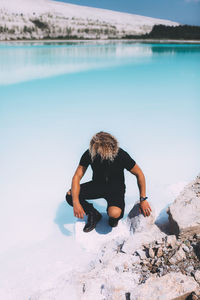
(185, 32)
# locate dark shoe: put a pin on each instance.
(93, 218)
(113, 222)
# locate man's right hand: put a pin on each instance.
(78, 210)
(145, 208)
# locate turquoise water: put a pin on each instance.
(54, 97)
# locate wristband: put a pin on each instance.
(143, 198)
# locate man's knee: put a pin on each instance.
(114, 211)
(68, 198)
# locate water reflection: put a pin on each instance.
(22, 63)
(27, 61)
(175, 49)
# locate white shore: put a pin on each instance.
(99, 41)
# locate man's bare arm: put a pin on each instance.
(78, 209)
(141, 182)
(80, 171)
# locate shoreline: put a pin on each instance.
(144, 41)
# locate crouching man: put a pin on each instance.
(108, 162)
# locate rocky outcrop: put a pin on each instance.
(148, 265)
(164, 269)
(142, 230)
(166, 287)
(184, 212)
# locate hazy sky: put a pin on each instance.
(183, 11)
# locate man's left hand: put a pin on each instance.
(145, 208)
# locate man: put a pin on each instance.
(108, 162)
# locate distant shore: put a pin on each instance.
(145, 41)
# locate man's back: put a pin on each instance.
(107, 171)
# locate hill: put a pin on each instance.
(40, 19)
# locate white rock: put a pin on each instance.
(167, 287)
(185, 248)
(141, 253)
(171, 240)
(151, 253)
(184, 212)
(198, 236)
(178, 256)
(135, 259)
(189, 269)
(137, 221)
(197, 276)
(142, 229)
(107, 282)
(135, 241)
(159, 252)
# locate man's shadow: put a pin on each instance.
(102, 226)
(64, 216)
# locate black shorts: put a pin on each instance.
(112, 193)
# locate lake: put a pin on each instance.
(53, 98)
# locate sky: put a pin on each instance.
(183, 11)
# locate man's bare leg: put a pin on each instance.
(114, 213)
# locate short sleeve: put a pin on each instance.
(85, 159)
(128, 161)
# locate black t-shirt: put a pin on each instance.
(106, 171)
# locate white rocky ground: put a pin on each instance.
(38, 19)
(147, 264)
(134, 261)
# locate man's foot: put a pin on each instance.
(113, 222)
(93, 218)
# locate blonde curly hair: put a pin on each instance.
(105, 145)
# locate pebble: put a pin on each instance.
(178, 256)
(194, 297)
(189, 269)
(159, 252)
(157, 263)
(145, 261)
(178, 243)
(187, 243)
(162, 258)
(164, 271)
(145, 268)
(185, 248)
(159, 242)
(197, 235)
(197, 276)
(135, 259)
(141, 253)
(171, 240)
(156, 246)
(126, 266)
(151, 253)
